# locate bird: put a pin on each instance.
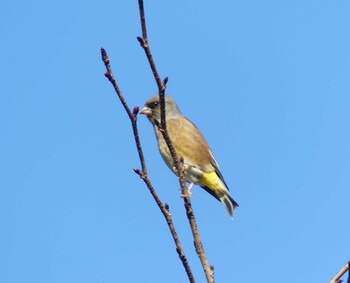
(200, 166)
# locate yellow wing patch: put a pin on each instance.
(212, 181)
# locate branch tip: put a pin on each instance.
(165, 81)
(136, 110)
(104, 55)
(138, 172)
(141, 41)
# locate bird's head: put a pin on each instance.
(152, 108)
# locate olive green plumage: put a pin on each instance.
(200, 165)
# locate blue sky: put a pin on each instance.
(267, 82)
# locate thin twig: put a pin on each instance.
(143, 173)
(132, 115)
(208, 270)
(340, 273)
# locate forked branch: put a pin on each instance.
(337, 278)
(143, 173)
(178, 162)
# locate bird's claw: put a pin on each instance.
(189, 193)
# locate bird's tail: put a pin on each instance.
(224, 196)
(229, 203)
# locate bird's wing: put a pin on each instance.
(217, 170)
(191, 144)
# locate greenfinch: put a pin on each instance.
(200, 166)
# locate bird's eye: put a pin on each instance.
(152, 105)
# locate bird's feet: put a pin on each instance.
(189, 193)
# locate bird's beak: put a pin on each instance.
(146, 111)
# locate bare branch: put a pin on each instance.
(340, 273)
(209, 272)
(143, 173)
(132, 115)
